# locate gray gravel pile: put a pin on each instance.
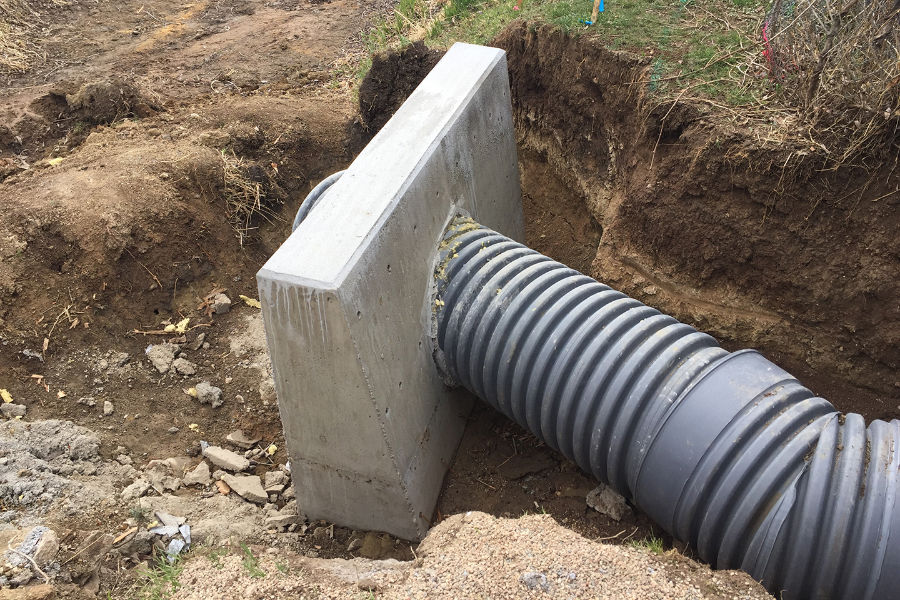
(39, 459)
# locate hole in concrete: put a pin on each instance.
(401, 385)
(389, 268)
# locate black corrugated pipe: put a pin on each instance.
(726, 451)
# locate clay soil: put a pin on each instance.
(120, 148)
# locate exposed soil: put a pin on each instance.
(119, 153)
(745, 239)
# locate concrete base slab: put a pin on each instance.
(346, 300)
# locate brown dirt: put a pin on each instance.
(113, 151)
(742, 238)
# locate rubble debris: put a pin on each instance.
(240, 439)
(198, 342)
(184, 367)
(162, 356)
(248, 487)
(221, 304)
(606, 501)
(226, 459)
(135, 490)
(107, 408)
(275, 481)
(209, 394)
(13, 410)
(199, 476)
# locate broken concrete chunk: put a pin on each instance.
(238, 438)
(247, 487)
(47, 548)
(162, 356)
(275, 481)
(184, 366)
(226, 459)
(199, 476)
(221, 304)
(606, 501)
(178, 465)
(107, 408)
(280, 520)
(13, 410)
(135, 490)
(209, 394)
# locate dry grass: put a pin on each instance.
(838, 61)
(17, 21)
(245, 200)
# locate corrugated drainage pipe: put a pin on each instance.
(726, 451)
(313, 198)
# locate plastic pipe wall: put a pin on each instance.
(726, 451)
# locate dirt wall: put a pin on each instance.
(702, 219)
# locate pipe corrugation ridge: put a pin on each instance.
(726, 451)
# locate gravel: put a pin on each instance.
(476, 556)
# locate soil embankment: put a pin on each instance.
(744, 238)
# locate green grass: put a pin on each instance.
(251, 563)
(651, 543)
(161, 579)
(701, 45)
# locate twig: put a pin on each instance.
(612, 537)
(145, 268)
(426, 519)
(31, 560)
(630, 534)
(487, 484)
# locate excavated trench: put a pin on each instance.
(677, 206)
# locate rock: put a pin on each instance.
(184, 366)
(606, 501)
(47, 548)
(218, 474)
(21, 578)
(124, 459)
(178, 465)
(221, 304)
(226, 459)
(199, 476)
(280, 520)
(209, 394)
(355, 545)
(162, 356)
(291, 508)
(535, 581)
(103, 364)
(320, 533)
(107, 408)
(135, 490)
(247, 487)
(198, 343)
(275, 481)
(375, 546)
(32, 592)
(88, 401)
(13, 410)
(173, 430)
(238, 438)
(120, 359)
(288, 493)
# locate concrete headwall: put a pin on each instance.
(346, 301)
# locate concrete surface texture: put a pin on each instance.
(346, 301)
